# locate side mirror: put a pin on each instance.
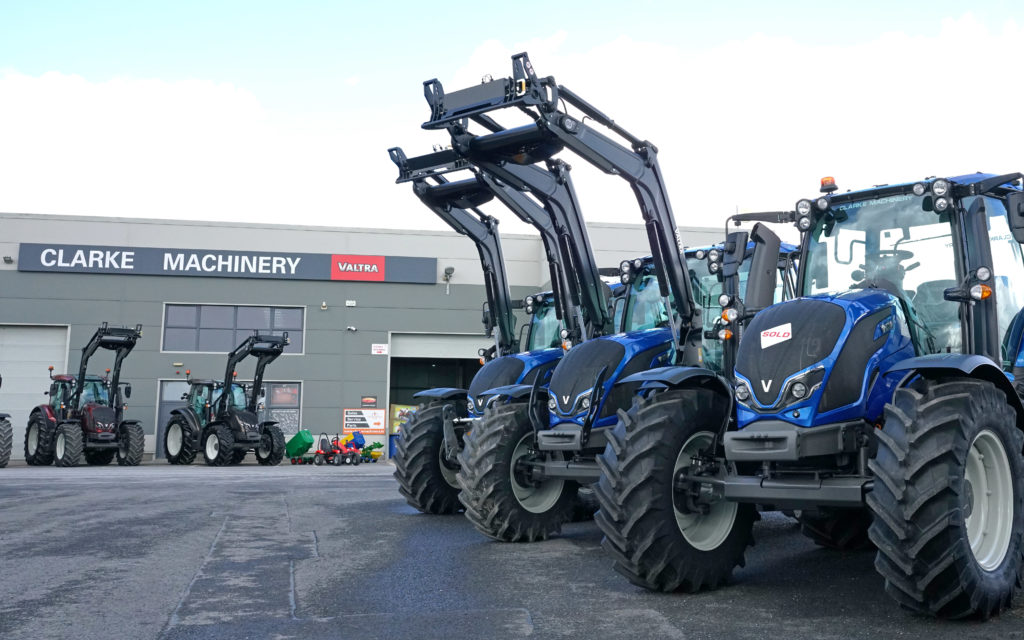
(1015, 214)
(263, 392)
(127, 390)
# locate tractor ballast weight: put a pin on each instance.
(85, 415)
(226, 427)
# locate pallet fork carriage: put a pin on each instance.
(225, 427)
(85, 415)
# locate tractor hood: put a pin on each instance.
(620, 355)
(244, 424)
(99, 418)
(520, 368)
(814, 359)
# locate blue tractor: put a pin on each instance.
(885, 400)
(577, 309)
(523, 462)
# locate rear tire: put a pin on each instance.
(131, 444)
(839, 529)
(179, 442)
(318, 459)
(218, 445)
(425, 479)
(38, 441)
(6, 441)
(67, 445)
(99, 457)
(948, 500)
(500, 501)
(270, 451)
(337, 460)
(655, 545)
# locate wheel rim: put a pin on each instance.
(60, 446)
(535, 499)
(174, 439)
(122, 443)
(212, 446)
(451, 476)
(988, 482)
(704, 532)
(33, 439)
(264, 449)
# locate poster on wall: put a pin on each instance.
(400, 414)
(369, 422)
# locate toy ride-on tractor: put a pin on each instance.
(221, 418)
(85, 415)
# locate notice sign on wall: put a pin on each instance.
(379, 349)
(150, 261)
(369, 422)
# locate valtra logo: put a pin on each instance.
(364, 268)
(775, 335)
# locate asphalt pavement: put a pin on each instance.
(334, 552)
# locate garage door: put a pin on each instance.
(25, 353)
(438, 345)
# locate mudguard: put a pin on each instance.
(47, 412)
(267, 423)
(441, 393)
(4, 416)
(676, 377)
(510, 391)
(975, 366)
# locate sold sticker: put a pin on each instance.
(775, 335)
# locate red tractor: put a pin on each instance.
(85, 415)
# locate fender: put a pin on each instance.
(267, 423)
(47, 413)
(127, 422)
(678, 377)
(441, 393)
(5, 416)
(511, 391)
(974, 366)
(190, 418)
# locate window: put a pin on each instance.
(281, 403)
(219, 328)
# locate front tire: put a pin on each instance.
(100, 457)
(218, 445)
(179, 442)
(948, 500)
(67, 446)
(500, 501)
(654, 544)
(270, 451)
(38, 441)
(131, 444)
(6, 441)
(425, 478)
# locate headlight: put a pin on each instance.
(714, 255)
(941, 204)
(940, 187)
(714, 267)
(821, 203)
(528, 301)
(638, 263)
(700, 254)
(585, 403)
(919, 189)
(724, 300)
(624, 278)
(983, 273)
(552, 404)
(742, 392)
(625, 266)
(804, 223)
(799, 390)
(730, 314)
(564, 333)
(803, 207)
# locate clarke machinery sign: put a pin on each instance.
(149, 261)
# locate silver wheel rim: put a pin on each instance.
(212, 446)
(451, 476)
(703, 532)
(174, 439)
(60, 446)
(989, 484)
(534, 499)
(33, 439)
(264, 449)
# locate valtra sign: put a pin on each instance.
(152, 261)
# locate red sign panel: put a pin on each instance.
(366, 268)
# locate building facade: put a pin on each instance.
(370, 313)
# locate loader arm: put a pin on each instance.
(120, 340)
(267, 348)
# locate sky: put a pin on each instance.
(283, 112)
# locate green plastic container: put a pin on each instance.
(299, 444)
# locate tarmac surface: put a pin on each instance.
(334, 552)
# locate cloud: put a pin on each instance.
(750, 124)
